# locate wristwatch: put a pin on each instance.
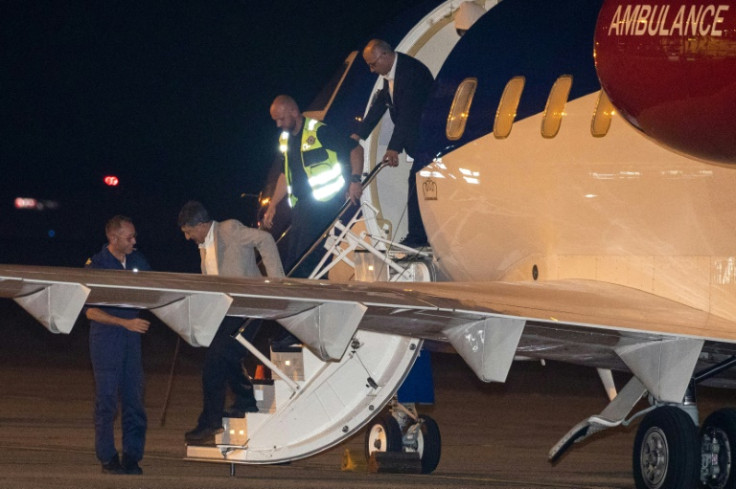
(355, 178)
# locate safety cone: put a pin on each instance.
(260, 374)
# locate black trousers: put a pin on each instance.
(416, 226)
(309, 219)
(223, 367)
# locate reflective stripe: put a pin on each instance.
(329, 190)
(326, 176)
(284, 142)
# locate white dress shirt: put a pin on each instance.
(390, 77)
(210, 252)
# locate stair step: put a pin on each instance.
(236, 430)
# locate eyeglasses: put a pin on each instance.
(375, 61)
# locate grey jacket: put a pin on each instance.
(236, 245)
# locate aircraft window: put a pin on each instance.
(460, 108)
(506, 112)
(555, 109)
(602, 117)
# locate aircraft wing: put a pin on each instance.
(489, 323)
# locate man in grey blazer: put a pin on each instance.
(228, 249)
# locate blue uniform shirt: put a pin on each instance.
(133, 262)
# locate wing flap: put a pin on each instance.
(580, 321)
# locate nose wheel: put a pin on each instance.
(428, 443)
(420, 435)
(383, 435)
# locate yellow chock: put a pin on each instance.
(351, 464)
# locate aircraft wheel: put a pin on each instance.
(718, 437)
(429, 443)
(666, 451)
(383, 435)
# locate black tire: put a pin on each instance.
(666, 451)
(429, 444)
(718, 438)
(383, 435)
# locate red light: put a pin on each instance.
(25, 203)
(111, 181)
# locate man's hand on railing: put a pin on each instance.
(268, 216)
(355, 190)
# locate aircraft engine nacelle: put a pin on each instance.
(669, 67)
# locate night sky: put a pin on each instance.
(172, 97)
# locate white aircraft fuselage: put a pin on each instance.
(618, 209)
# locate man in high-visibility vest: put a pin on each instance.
(316, 178)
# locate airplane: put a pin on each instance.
(578, 199)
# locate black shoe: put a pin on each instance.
(113, 466)
(130, 466)
(202, 435)
(239, 412)
(414, 242)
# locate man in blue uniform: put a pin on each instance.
(115, 350)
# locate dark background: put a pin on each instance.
(171, 97)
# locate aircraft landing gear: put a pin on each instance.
(718, 437)
(402, 430)
(383, 435)
(424, 438)
(666, 450)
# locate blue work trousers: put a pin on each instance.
(118, 371)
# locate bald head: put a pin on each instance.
(379, 56)
(285, 113)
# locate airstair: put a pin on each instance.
(311, 404)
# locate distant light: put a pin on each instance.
(26, 203)
(51, 233)
(111, 180)
(35, 204)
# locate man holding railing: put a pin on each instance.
(316, 178)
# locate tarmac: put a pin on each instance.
(493, 435)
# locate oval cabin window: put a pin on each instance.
(458, 116)
(506, 113)
(555, 110)
(604, 111)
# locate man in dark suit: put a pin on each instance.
(406, 86)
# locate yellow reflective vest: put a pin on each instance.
(324, 171)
